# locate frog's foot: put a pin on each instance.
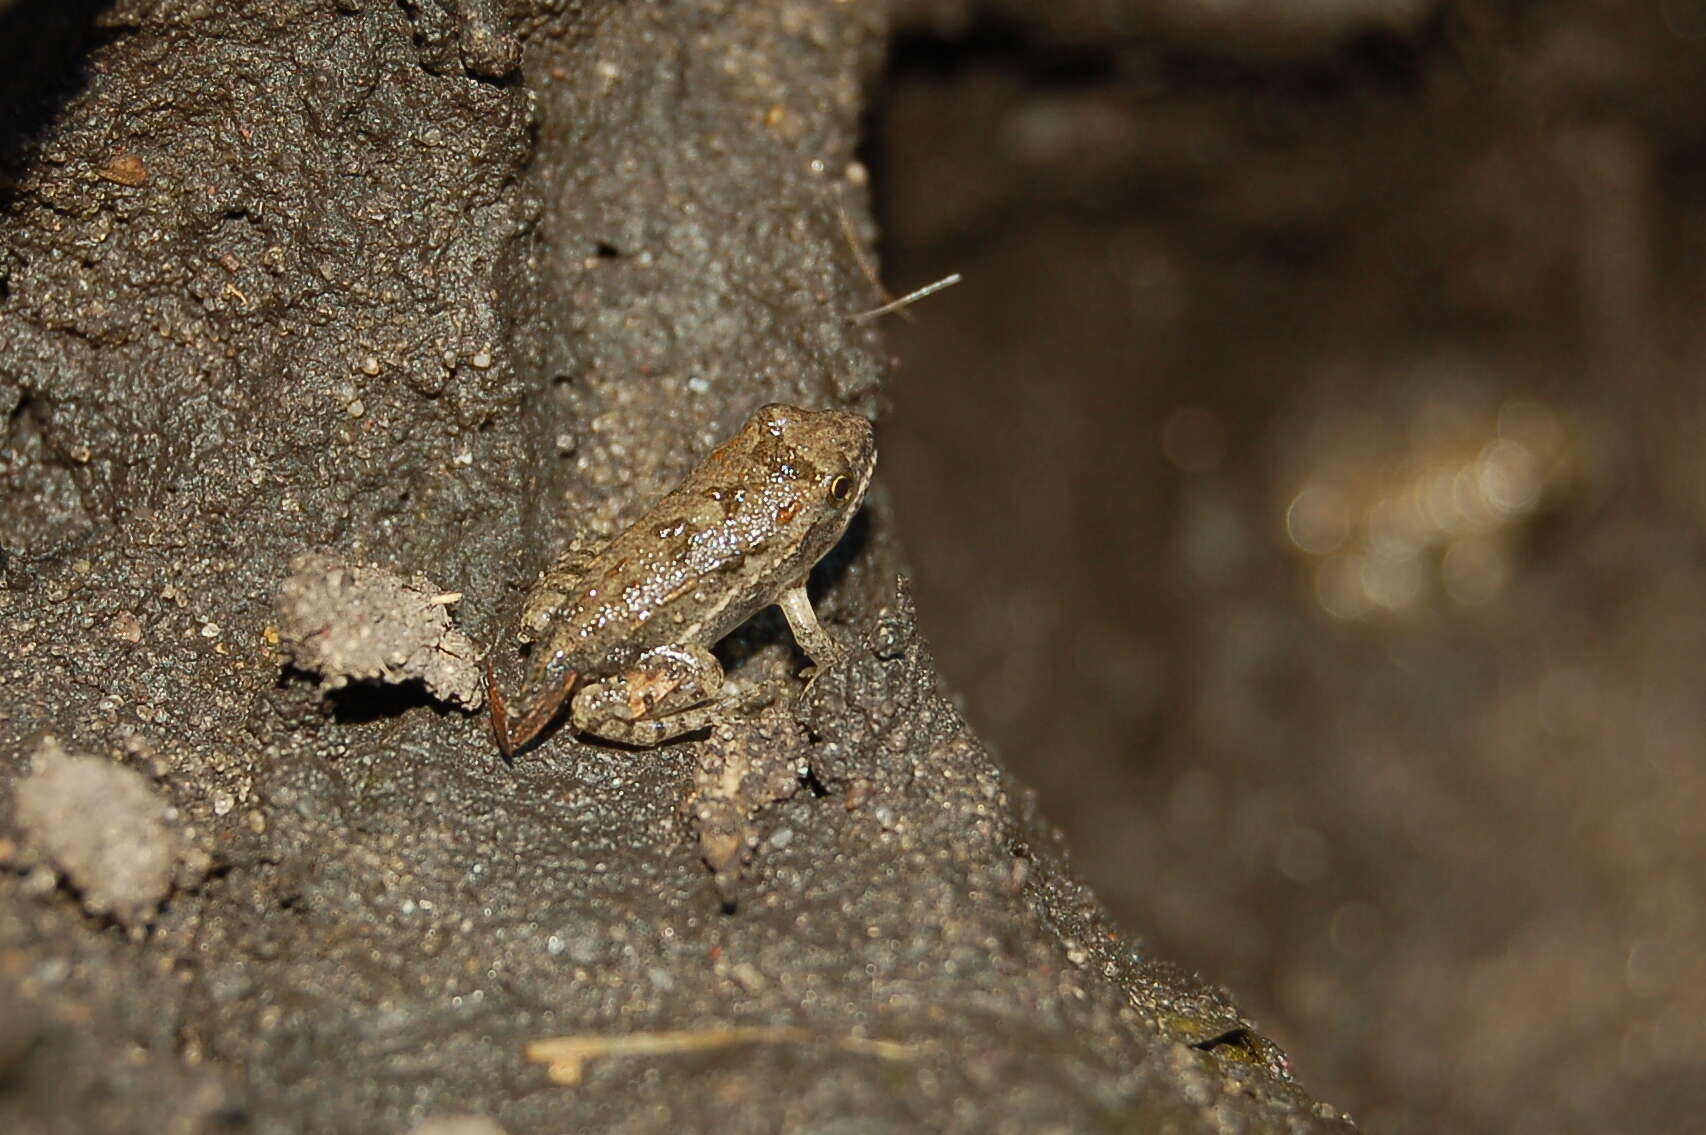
(539, 713)
(761, 695)
(669, 691)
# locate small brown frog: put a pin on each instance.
(627, 629)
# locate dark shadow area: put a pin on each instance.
(360, 703)
(43, 51)
(1204, 471)
(992, 43)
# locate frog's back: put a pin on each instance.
(748, 522)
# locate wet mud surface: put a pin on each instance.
(433, 291)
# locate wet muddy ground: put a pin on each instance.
(322, 329)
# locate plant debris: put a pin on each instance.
(565, 1057)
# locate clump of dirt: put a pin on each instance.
(744, 766)
(364, 624)
(104, 830)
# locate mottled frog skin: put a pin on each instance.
(624, 633)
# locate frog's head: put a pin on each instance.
(826, 461)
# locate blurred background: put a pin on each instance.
(1306, 494)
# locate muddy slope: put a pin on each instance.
(436, 289)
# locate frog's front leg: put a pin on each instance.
(668, 691)
(808, 632)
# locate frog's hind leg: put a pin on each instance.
(539, 712)
(500, 713)
(668, 691)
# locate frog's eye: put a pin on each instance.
(841, 488)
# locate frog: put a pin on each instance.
(623, 632)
